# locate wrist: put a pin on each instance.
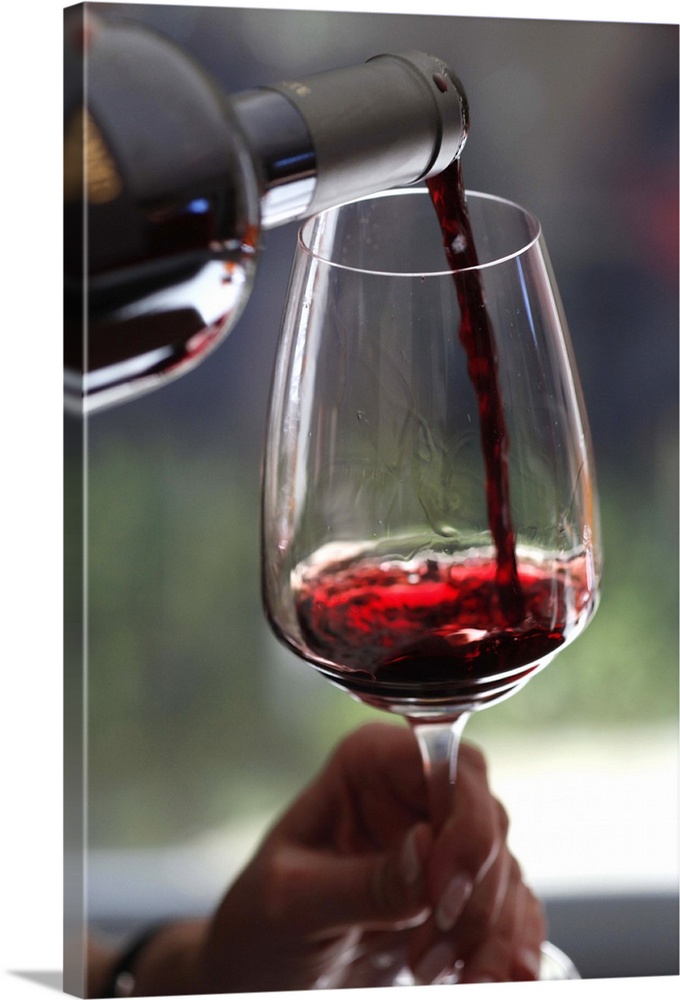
(161, 961)
(170, 965)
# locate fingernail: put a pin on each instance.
(452, 901)
(409, 862)
(531, 960)
(435, 964)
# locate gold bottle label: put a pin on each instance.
(89, 168)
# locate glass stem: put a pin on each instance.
(439, 743)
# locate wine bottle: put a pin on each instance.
(168, 183)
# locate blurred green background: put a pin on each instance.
(198, 719)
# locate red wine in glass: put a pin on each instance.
(435, 623)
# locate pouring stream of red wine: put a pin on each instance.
(478, 338)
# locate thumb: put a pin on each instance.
(373, 889)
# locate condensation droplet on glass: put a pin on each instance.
(361, 416)
(447, 531)
(459, 244)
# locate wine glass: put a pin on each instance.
(430, 540)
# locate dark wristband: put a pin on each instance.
(121, 980)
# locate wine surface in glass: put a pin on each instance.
(433, 626)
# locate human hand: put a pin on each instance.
(353, 881)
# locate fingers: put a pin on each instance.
(482, 906)
(470, 841)
(468, 870)
(532, 932)
(469, 914)
(486, 924)
(487, 944)
(355, 851)
(369, 793)
(499, 957)
(397, 881)
(318, 892)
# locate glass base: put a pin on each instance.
(555, 964)
(370, 968)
